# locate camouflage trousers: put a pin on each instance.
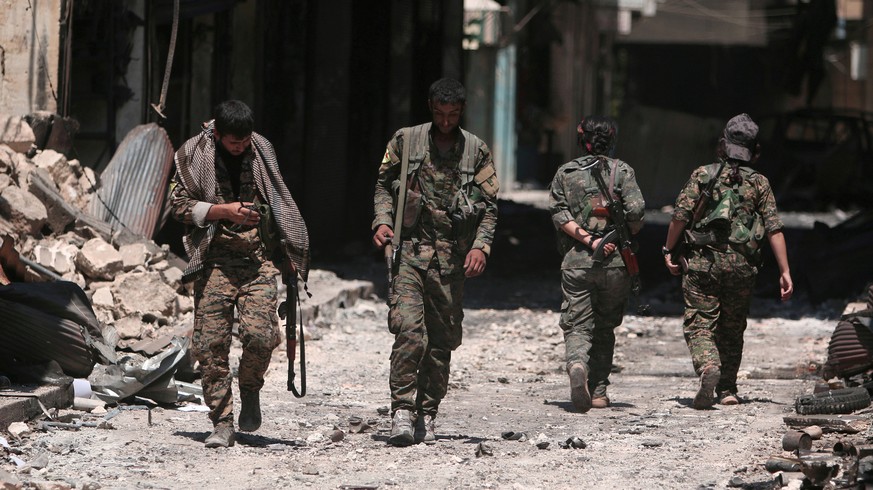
(717, 294)
(594, 304)
(235, 278)
(425, 315)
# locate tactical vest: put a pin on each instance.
(419, 141)
(731, 220)
(467, 208)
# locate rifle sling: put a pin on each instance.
(401, 193)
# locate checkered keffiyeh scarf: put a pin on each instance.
(195, 165)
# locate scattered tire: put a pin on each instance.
(841, 401)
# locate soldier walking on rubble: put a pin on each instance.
(730, 208)
(449, 212)
(235, 253)
(595, 285)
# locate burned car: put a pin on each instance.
(817, 160)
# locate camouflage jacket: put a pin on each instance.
(192, 212)
(437, 179)
(574, 193)
(739, 213)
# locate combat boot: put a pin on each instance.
(429, 427)
(728, 398)
(402, 429)
(222, 436)
(579, 394)
(601, 401)
(250, 413)
(706, 393)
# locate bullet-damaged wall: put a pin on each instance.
(29, 48)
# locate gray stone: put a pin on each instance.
(23, 209)
(99, 260)
(5, 181)
(134, 254)
(144, 293)
(56, 165)
(7, 159)
(130, 327)
(173, 277)
(16, 133)
(57, 256)
(103, 298)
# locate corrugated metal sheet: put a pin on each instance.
(850, 350)
(41, 322)
(133, 185)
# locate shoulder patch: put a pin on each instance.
(487, 180)
(387, 157)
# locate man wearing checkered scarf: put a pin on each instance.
(224, 177)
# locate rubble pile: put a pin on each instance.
(134, 285)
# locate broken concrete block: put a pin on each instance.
(23, 209)
(88, 180)
(184, 304)
(134, 254)
(173, 277)
(56, 165)
(60, 213)
(99, 260)
(144, 293)
(7, 159)
(5, 181)
(18, 429)
(161, 265)
(9, 480)
(16, 133)
(103, 298)
(130, 327)
(56, 256)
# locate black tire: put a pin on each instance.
(842, 401)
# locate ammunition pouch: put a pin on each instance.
(412, 205)
(700, 238)
(268, 232)
(465, 215)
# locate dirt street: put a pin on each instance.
(506, 377)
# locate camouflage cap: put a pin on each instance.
(740, 137)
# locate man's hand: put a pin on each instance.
(383, 236)
(786, 286)
(674, 269)
(607, 249)
(474, 264)
(239, 213)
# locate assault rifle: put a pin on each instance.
(620, 234)
(680, 250)
(288, 311)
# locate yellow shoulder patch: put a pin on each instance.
(487, 180)
(387, 157)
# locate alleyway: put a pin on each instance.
(506, 377)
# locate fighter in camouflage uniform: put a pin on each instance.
(723, 259)
(595, 295)
(218, 174)
(425, 296)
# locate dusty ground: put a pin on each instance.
(507, 376)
